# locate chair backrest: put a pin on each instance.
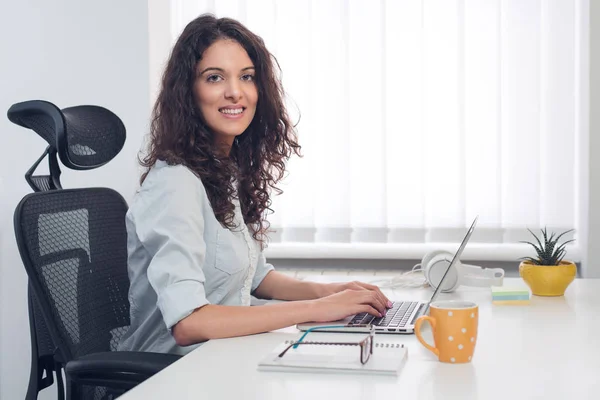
(73, 244)
(84, 137)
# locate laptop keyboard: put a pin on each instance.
(397, 316)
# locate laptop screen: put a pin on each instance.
(454, 260)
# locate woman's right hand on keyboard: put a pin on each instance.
(346, 303)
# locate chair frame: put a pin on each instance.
(118, 370)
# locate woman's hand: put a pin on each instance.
(328, 289)
(353, 299)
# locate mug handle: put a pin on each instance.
(418, 324)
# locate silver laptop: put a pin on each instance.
(398, 319)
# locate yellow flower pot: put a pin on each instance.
(548, 280)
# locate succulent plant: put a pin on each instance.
(548, 253)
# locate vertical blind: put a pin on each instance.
(417, 115)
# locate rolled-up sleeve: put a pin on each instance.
(262, 269)
(170, 226)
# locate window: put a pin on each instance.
(417, 115)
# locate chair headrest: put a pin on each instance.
(85, 136)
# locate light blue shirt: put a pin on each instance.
(181, 258)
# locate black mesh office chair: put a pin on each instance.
(73, 246)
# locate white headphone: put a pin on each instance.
(435, 263)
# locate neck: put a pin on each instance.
(224, 148)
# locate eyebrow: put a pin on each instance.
(221, 69)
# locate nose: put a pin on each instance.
(233, 91)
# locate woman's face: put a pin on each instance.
(225, 90)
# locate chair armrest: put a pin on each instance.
(117, 369)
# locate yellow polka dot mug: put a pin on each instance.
(454, 328)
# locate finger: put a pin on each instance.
(386, 300)
(372, 299)
(370, 310)
(373, 288)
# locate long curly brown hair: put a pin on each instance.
(179, 135)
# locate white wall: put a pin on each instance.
(161, 42)
(69, 52)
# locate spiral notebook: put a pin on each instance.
(387, 359)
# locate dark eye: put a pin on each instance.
(213, 78)
(248, 77)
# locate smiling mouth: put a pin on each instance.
(232, 111)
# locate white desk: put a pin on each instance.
(547, 350)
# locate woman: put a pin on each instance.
(219, 140)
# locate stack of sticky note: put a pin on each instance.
(510, 295)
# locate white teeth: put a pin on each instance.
(232, 111)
